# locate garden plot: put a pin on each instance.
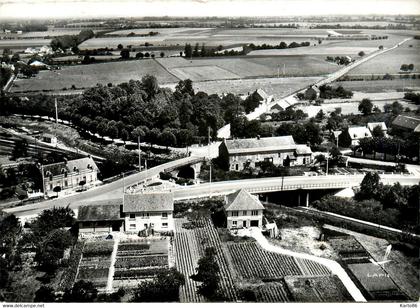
(317, 289)
(140, 259)
(272, 292)
(95, 263)
(326, 50)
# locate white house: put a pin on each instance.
(243, 210)
(371, 126)
(358, 132)
(148, 212)
(69, 174)
(281, 150)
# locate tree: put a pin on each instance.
(82, 292)
(370, 186)
(162, 54)
(344, 139)
(124, 134)
(44, 294)
(125, 54)
(320, 115)
(120, 46)
(377, 132)
(167, 138)
(207, 274)
(381, 47)
(397, 108)
(57, 189)
(163, 288)
(410, 67)
(188, 51)
(361, 53)
(139, 55)
(365, 106)
(404, 68)
(150, 85)
(20, 149)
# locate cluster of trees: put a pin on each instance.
(289, 114)
(282, 45)
(328, 92)
(390, 146)
(141, 108)
(190, 52)
(407, 67)
(414, 97)
(71, 41)
(5, 74)
(340, 60)
(392, 205)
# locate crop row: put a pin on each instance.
(312, 268)
(70, 274)
(102, 248)
(251, 261)
(133, 246)
(186, 257)
(272, 293)
(88, 273)
(207, 236)
(135, 262)
(138, 273)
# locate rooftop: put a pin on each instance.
(70, 166)
(407, 122)
(372, 125)
(302, 149)
(149, 202)
(359, 132)
(269, 144)
(242, 200)
(101, 212)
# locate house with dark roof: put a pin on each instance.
(312, 93)
(243, 210)
(238, 154)
(406, 123)
(72, 174)
(100, 218)
(149, 211)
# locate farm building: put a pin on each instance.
(381, 125)
(243, 210)
(48, 138)
(312, 93)
(241, 153)
(356, 133)
(148, 212)
(69, 174)
(100, 218)
(407, 123)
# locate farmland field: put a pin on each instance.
(23, 43)
(272, 292)
(377, 86)
(201, 73)
(248, 67)
(325, 49)
(83, 76)
(391, 62)
(190, 245)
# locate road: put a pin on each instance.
(105, 192)
(290, 100)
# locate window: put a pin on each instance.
(66, 183)
(132, 226)
(50, 186)
(244, 213)
(145, 215)
(254, 213)
(234, 223)
(132, 216)
(164, 215)
(164, 225)
(235, 213)
(236, 167)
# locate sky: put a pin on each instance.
(136, 8)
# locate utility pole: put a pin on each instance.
(278, 71)
(209, 148)
(56, 111)
(138, 140)
(328, 157)
(284, 69)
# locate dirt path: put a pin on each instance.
(112, 267)
(333, 266)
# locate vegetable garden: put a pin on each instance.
(140, 259)
(95, 263)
